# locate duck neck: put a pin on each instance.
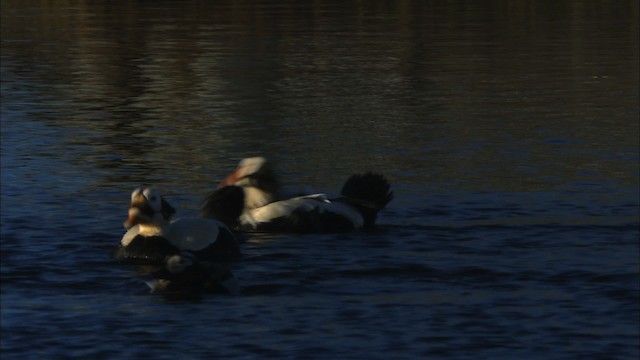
(255, 197)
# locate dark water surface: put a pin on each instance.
(509, 131)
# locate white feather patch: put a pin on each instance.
(130, 235)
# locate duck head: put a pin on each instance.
(256, 176)
(177, 274)
(252, 172)
(179, 263)
(148, 208)
(184, 277)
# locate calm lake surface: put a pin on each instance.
(508, 129)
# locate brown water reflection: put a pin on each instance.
(473, 95)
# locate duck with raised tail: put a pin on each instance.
(153, 235)
(357, 207)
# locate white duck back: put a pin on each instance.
(305, 204)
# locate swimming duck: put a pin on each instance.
(152, 234)
(183, 275)
(362, 197)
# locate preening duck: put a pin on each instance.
(185, 276)
(362, 197)
(152, 235)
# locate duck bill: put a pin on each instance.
(231, 179)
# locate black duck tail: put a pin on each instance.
(369, 193)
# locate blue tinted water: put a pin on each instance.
(509, 132)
